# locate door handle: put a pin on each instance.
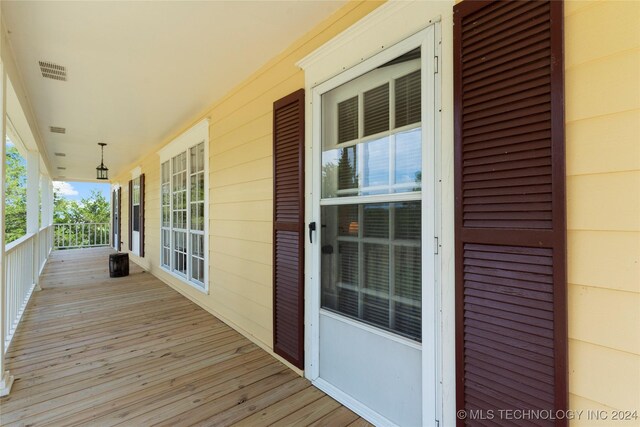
(312, 228)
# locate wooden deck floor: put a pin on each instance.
(131, 351)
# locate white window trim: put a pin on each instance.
(136, 172)
(341, 57)
(193, 136)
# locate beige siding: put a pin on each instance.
(240, 188)
(602, 42)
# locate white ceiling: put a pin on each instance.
(137, 71)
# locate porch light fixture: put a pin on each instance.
(102, 172)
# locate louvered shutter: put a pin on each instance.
(141, 212)
(131, 215)
(510, 208)
(288, 228)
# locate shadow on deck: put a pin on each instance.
(98, 351)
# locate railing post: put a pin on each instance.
(6, 379)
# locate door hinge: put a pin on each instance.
(436, 245)
(436, 65)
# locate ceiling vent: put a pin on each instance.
(56, 129)
(60, 154)
(53, 71)
(62, 168)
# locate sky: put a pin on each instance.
(79, 190)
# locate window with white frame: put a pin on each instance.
(183, 207)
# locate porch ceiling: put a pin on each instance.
(137, 71)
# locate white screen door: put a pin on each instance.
(375, 205)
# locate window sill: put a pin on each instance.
(183, 279)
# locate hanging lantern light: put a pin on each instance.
(102, 172)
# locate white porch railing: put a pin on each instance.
(45, 238)
(81, 235)
(25, 259)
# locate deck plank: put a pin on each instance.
(92, 350)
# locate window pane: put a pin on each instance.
(376, 310)
(376, 268)
(408, 272)
(180, 252)
(339, 172)
(376, 166)
(408, 164)
(197, 187)
(348, 269)
(195, 269)
(376, 220)
(197, 245)
(348, 224)
(166, 247)
(200, 186)
(193, 159)
(201, 216)
(348, 120)
(136, 218)
(135, 197)
(408, 99)
(165, 256)
(197, 257)
(386, 165)
(375, 273)
(193, 188)
(165, 172)
(197, 216)
(201, 157)
(408, 220)
(376, 110)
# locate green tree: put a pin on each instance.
(94, 209)
(15, 196)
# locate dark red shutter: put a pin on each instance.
(131, 215)
(119, 242)
(141, 215)
(288, 228)
(510, 207)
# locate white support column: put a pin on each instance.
(43, 197)
(49, 202)
(47, 209)
(6, 379)
(33, 210)
(33, 185)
